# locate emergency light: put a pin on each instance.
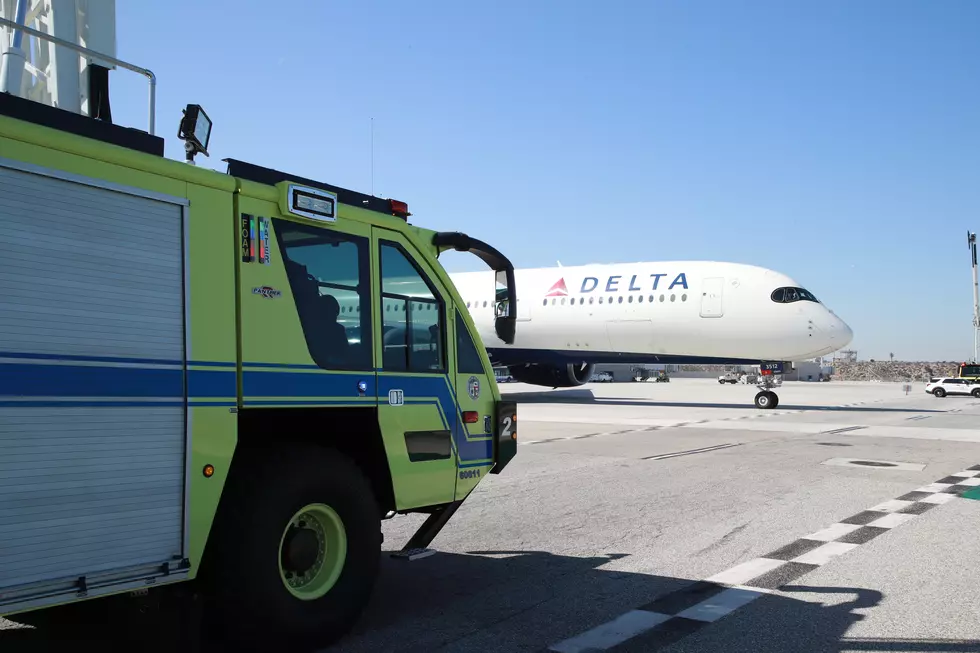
(311, 202)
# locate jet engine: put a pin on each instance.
(553, 376)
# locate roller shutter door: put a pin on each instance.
(92, 416)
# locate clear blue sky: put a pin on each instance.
(835, 141)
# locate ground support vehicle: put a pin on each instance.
(223, 379)
(940, 387)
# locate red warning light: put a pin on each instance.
(399, 208)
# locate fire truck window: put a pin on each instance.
(415, 333)
(328, 275)
(468, 360)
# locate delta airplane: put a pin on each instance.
(695, 312)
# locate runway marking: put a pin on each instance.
(843, 430)
(676, 615)
(871, 430)
(689, 452)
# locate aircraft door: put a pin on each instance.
(711, 297)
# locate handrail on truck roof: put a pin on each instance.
(94, 54)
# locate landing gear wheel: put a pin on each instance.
(296, 549)
(766, 399)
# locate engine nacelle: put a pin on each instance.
(553, 376)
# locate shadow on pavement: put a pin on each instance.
(586, 397)
(507, 601)
(778, 624)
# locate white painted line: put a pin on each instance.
(939, 498)
(611, 633)
(933, 487)
(891, 520)
(746, 571)
(823, 554)
(891, 506)
(967, 473)
(725, 602)
(973, 482)
(761, 590)
(832, 533)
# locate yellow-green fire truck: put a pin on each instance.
(230, 379)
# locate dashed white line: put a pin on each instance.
(611, 633)
(746, 571)
(721, 604)
(824, 553)
(832, 533)
(892, 520)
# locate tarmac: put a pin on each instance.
(679, 517)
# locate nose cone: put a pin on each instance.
(835, 333)
(840, 333)
(848, 333)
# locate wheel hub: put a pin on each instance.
(300, 549)
(312, 551)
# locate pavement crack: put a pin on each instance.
(724, 538)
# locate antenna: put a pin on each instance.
(372, 156)
(971, 241)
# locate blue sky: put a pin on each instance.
(835, 141)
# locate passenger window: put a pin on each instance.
(468, 359)
(413, 324)
(328, 275)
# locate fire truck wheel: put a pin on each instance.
(301, 544)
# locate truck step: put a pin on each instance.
(413, 554)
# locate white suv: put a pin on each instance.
(943, 386)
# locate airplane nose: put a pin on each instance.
(839, 331)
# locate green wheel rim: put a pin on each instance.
(324, 531)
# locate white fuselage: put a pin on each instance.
(677, 310)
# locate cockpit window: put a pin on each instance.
(789, 295)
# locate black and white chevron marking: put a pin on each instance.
(678, 614)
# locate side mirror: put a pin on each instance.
(505, 322)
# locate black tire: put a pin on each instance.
(763, 400)
(247, 599)
(976, 393)
(939, 392)
(775, 399)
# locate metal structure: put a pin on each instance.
(971, 240)
(846, 356)
(66, 64)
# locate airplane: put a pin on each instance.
(684, 312)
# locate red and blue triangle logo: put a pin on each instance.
(558, 290)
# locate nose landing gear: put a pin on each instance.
(766, 398)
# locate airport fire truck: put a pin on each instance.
(222, 380)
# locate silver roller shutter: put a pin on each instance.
(92, 419)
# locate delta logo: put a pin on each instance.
(559, 289)
(591, 284)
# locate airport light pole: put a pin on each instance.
(971, 240)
